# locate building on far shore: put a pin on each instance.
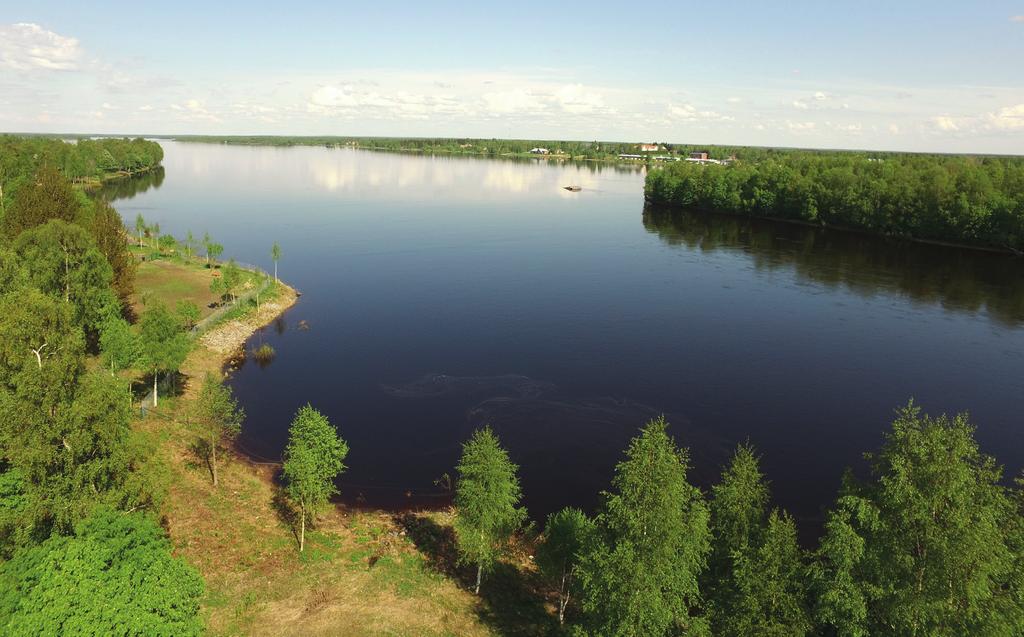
(539, 151)
(650, 148)
(700, 155)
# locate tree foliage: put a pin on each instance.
(66, 264)
(218, 414)
(926, 546)
(313, 458)
(567, 535)
(487, 498)
(164, 345)
(115, 576)
(44, 197)
(111, 238)
(976, 200)
(640, 577)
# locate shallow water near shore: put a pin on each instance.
(442, 293)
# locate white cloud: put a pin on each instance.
(25, 46)
(734, 100)
(1007, 118)
(945, 123)
(894, 129)
(820, 96)
(512, 101)
(800, 105)
(195, 110)
(1017, 18)
(351, 100)
(690, 113)
(333, 97)
(800, 127)
(574, 98)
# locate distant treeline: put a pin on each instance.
(964, 199)
(593, 150)
(87, 160)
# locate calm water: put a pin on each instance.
(443, 293)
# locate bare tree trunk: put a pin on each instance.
(563, 599)
(479, 576)
(155, 376)
(275, 272)
(67, 277)
(302, 528)
(213, 456)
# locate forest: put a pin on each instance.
(579, 150)
(930, 541)
(85, 161)
(972, 200)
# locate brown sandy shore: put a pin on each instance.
(363, 572)
(228, 338)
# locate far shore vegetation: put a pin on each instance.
(126, 508)
(976, 201)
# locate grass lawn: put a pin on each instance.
(172, 280)
(169, 282)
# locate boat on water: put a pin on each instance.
(573, 188)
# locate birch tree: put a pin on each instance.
(640, 577)
(487, 498)
(567, 535)
(164, 344)
(218, 414)
(314, 457)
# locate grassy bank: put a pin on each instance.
(363, 573)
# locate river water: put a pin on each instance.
(442, 293)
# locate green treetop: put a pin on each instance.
(924, 547)
(313, 458)
(567, 534)
(487, 498)
(739, 513)
(770, 594)
(164, 344)
(641, 575)
(218, 414)
(115, 576)
(47, 196)
(119, 345)
(66, 263)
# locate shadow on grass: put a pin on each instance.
(511, 599)
(200, 450)
(286, 512)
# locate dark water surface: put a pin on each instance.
(442, 293)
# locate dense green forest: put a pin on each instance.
(86, 160)
(81, 548)
(929, 541)
(962, 199)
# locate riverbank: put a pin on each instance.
(356, 563)
(91, 183)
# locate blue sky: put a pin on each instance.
(937, 76)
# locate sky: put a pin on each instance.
(942, 76)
